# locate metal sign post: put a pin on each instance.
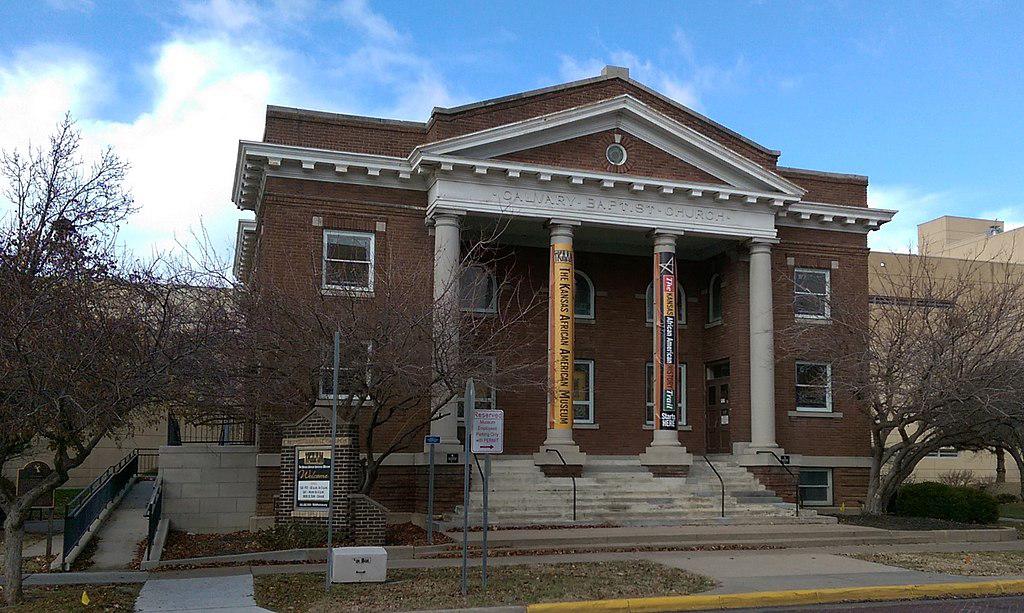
(334, 448)
(488, 438)
(431, 440)
(468, 407)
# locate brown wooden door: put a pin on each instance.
(716, 416)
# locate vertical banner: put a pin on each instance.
(561, 294)
(666, 367)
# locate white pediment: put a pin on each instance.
(630, 115)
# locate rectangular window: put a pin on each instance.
(813, 387)
(348, 260)
(583, 392)
(811, 293)
(353, 370)
(945, 453)
(486, 397)
(816, 486)
(649, 395)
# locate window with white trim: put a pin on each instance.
(583, 305)
(812, 288)
(814, 387)
(353, 370)
(715, 299)
(478, 290)
(816, 486)
(649, 395)
(583, 392)
(945, 453)
(680, 303)
(485, 395)
(348, 260)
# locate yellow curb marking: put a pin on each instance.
(700, 602)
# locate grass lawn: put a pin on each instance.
(438, 588)
(968, 563)
(69, 598)
(1013, 510)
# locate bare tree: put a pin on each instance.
(935, 360)
(92, 342)
(405, 355)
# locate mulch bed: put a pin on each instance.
(411, 534)
(181, 545)
(898, 522)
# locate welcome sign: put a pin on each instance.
(312, 478)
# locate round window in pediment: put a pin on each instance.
(616, 154)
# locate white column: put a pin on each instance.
(762, 348)
(561, 338)
(447, 252)
(665, 451)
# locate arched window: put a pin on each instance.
(478, 291)
(680, 303)
(715, 299)
(584, 300)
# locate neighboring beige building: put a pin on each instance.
(969, 238)
(948, 244)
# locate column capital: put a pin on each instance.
(561, 231)
(664, 241)
(445, 218)
(762, 245)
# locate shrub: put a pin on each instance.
(293, 536)
(941, 501)
(1005, 498)
(958, 478)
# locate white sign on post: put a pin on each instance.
(488, 434)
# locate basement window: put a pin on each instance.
(816, 486)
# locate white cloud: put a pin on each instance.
(38, 87)
(209, 94)
(914, 206)
(211, 81)
(357, 13)
(685, 82)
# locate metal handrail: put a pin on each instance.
(153, 512)
(796, 479)
(715, 470)
(573, 477)
(87, 506)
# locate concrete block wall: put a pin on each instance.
(209, 488)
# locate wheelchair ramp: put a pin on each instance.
(119, 536)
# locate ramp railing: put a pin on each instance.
(85, 508)
(153, 511)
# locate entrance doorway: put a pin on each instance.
(716, 415)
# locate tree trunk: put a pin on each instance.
(14, 538)
(874, 477)
(1000, 465)
(1015, 453)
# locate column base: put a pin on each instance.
(549, 461)
(665, 456)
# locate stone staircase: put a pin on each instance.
(617, 490)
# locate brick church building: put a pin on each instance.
(672, 254)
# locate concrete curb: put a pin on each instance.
(700, 602)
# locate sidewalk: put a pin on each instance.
(226, 590)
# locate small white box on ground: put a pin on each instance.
(359, 564)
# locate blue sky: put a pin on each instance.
(924, 97)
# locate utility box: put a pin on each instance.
(359, 564)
